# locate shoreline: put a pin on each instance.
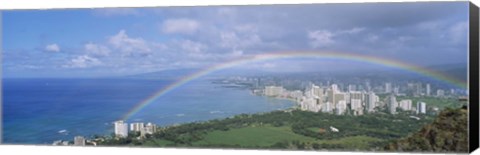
(294, 105)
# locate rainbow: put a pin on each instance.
(294, 54)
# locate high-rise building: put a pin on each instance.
(317, 104)
(352, 88)
(330, 95)
(150, 128)
(273, 90)
(137, 127)
(79, 141)
(392, 104)
(356, 106)
(421, 108)
(334, 95)
(335, 88)
(418, 90)
(368, 87)
(406, 105)
(317, 91)
(310, 104)
(440, 93)
(428, 90)
(297, 94)
(371, 101)
(356, 95)
(388, 87)
(356, 102)
(327, 107)
(396, 90)
(121, 129)
(339, 97)
(341, 107)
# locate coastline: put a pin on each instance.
(293, 102)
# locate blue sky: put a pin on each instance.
(124, 41)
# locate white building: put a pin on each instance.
(396, 90)
(418, 90)
(137, 127)
(356, 106)
(335, 87)
(356, 102)
(150, 128)
(79, 141)
(273, 90)
(352, 88)
(392, 104)
(388, 87)
(371, 101)
(406, 105)
(317, 91)
(297, 95)
(341, 107)
(440, 93)
(327, 107)
(421, 108)
(428, 90)
(121, 129)
(310, 104)
(452, 92)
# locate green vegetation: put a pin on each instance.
(293, 129)
(448, 133)
(261, 136)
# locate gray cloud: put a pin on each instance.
(185, 37)
(390, 30)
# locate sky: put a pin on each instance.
(124, 41)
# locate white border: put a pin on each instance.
(49, 4)
(57, 4)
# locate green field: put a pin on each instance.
(284, 130)
(262, 136)
(266, 136)
(357, 142)
(158, 142)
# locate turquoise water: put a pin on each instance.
(35, 111)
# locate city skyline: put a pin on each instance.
(126, 41)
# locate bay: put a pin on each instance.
(40, 111)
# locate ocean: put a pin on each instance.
(40, 111)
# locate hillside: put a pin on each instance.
(291, 129)
(448, 133)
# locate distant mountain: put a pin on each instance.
(172, 74)
(457, 71)
(448, 133)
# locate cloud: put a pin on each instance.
(196, 36)
(233, 39)
(236, 53)
(354, 30)
(226, 11)
(52, 48)
(97, 50)
(458, 32)
(182, 26)
(129, 46)
(191, 46)
(83, 61)
(321, 38)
